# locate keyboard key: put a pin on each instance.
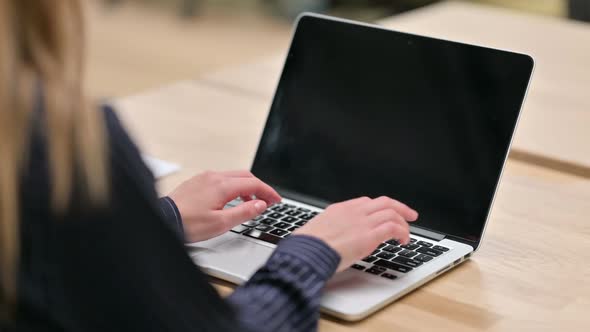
(389, 276)
(425, 244)
(385, 255)
(357, 267)
(303, 209)
(293, 213)
(392, 242)
(264, 228)
(381, 245)
(268, 221)
(289, 219)
(293, 228)
(408, 253)
(306, 216)
(393, 266)
(369, 259)
(260, 217)
(289, 206)
(275, 215)
(440, 248)
(407, 261)
(410, 246)
(314, 213)
(412, 240)
(429, 251)
(392, 249)
(380, 268)
(251, 223)
(278, 232)
(240, 229)
(423, 258)
(301, 223)
(373, 271)
(375, 252)
(282, 225)
(253, 233)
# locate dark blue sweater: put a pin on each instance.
(123, 268)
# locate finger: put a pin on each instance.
(390, 230)
(237, 174)
(356, 201)
(246, 198)
(248, 187)
(385, 202)
(387, 215)
(384, 217)
(242, 212)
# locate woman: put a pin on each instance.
(85, 243)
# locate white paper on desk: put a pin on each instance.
(160, 167)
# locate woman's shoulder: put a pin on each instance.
(116, 133)
(124, 154)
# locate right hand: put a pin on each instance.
(354, 228)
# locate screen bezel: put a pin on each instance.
(314, 201)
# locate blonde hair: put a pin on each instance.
(41, 45)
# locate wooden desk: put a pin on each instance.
(532, 272)
(554, 130)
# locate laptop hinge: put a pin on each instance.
(292, 195)
(427, 234)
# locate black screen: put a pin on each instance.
(365, 111)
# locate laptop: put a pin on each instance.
(364, 111)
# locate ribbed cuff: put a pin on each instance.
(172, 215)
(312, 251)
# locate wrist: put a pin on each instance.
(312, 251)
(172, 215)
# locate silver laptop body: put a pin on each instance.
(438, 246)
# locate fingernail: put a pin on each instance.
(260, 206)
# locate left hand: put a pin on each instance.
(200, 201)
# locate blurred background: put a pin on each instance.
(135, 45)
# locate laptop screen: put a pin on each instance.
(365, 111)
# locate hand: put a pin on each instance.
(200, 201)
(356, 227)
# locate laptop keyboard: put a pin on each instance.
(275, 223)
(391, 257)
(390, 260)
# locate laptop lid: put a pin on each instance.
(360, 110)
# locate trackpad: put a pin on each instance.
(238, 258)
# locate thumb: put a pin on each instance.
(245, 211)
